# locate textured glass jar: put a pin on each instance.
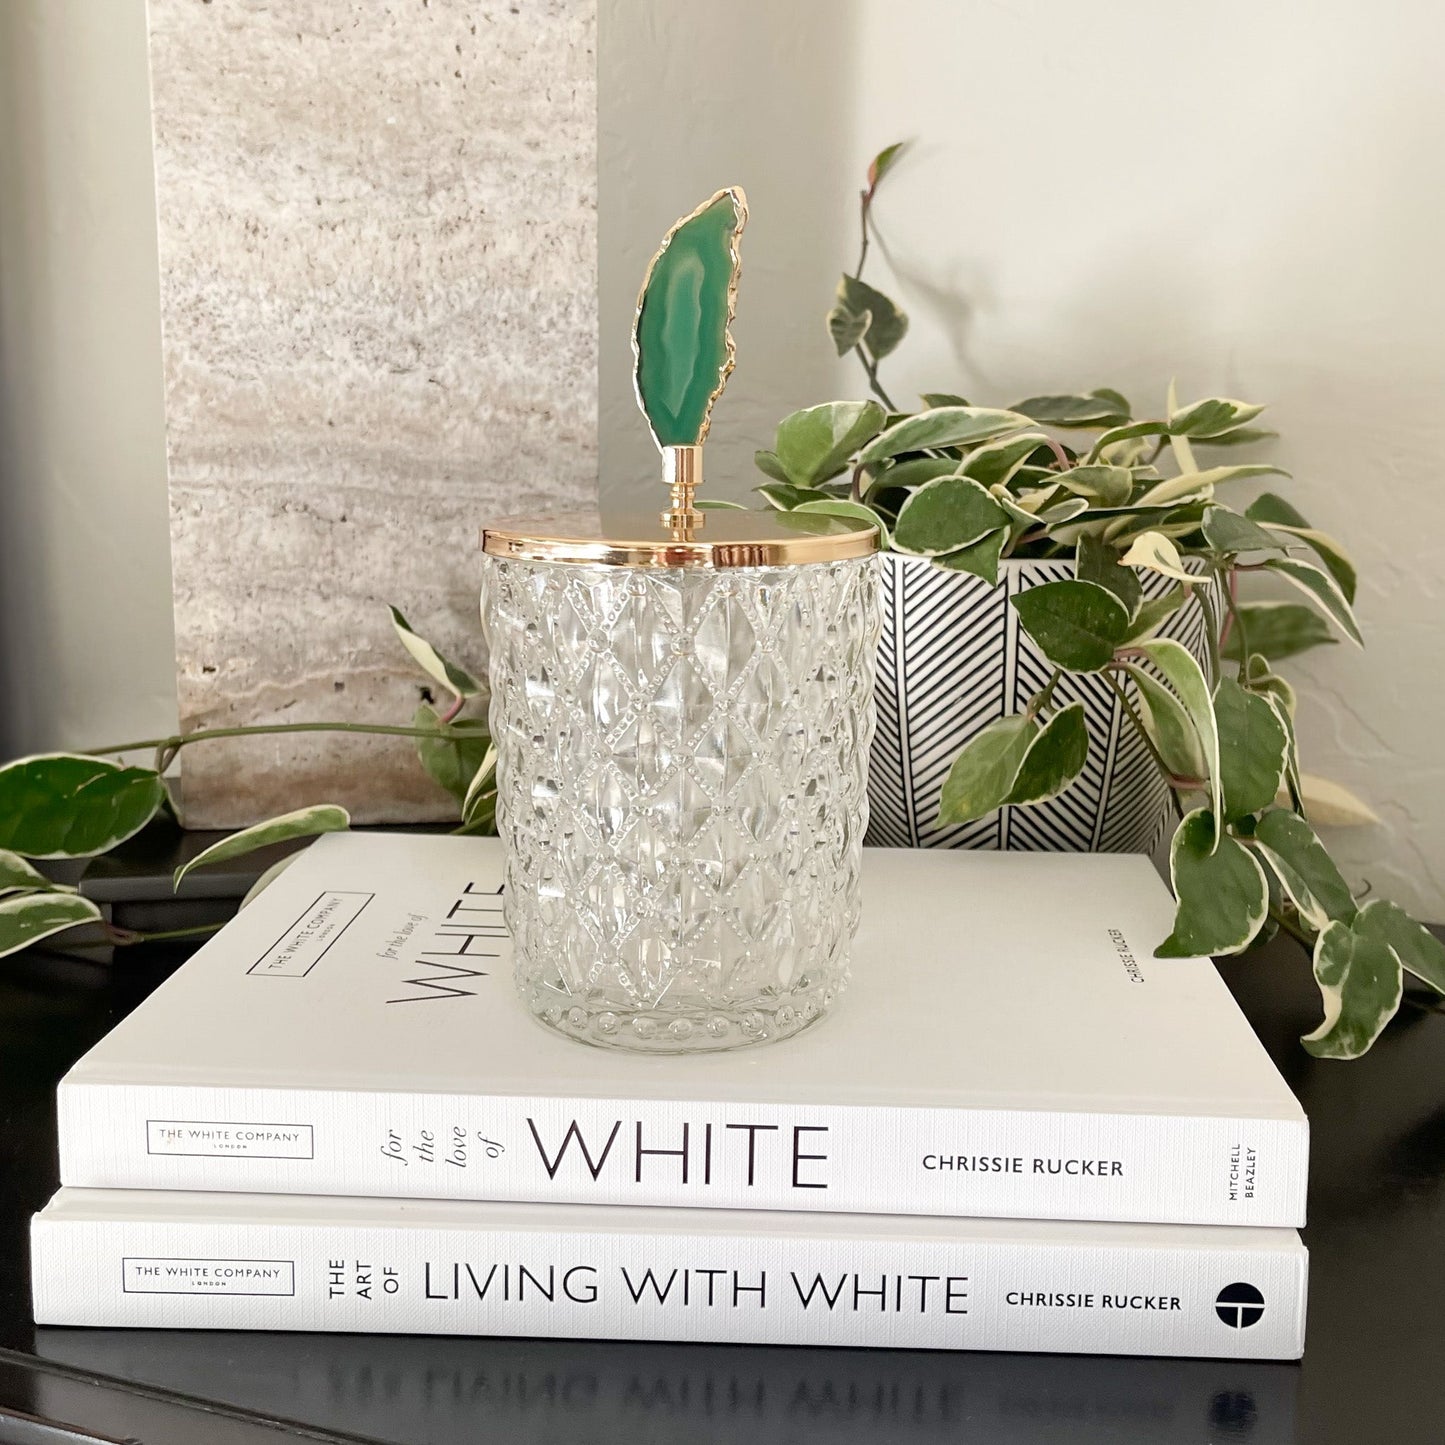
(681, 773)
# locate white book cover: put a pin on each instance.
(157, 1259)
(1007, 1046)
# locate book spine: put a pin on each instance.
(744, 1288)
(1003, 1163)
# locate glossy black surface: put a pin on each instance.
(1371, 1370)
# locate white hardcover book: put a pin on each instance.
(155, 1259)
(1008, 1047)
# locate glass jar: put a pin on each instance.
(682, 730)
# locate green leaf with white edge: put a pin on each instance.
(1332, 805)
(456, 680)
(1227, 531)
(481, 792)
(1073, 411)
(942, 398)
(984, 772)
(717, 504)
(944, 516)
(887, 323)
(1128, 432)
(816, 443)
(1169, 726)
(942, 426)
(1059, 513)
(1055, 757)
(1182, 672)
(981, 558)
(1156, 553)
(785, 497)
(1212, 417)
(1273, 511)
(1244, 436)
(1099, 563)
(847, 328)
(768, 464)
(996, 462)
(1107, 486)
(1308, 873)
(1318, 585)
(302, 823)
(1278, 693)
(451, 759)
(1195, 483)
(1076, 625)
(65, 805)
(28, 918)
(1253, 749)
(1117, 398)
(853, 511)
(1221, 892)
(1153, 613)
(1360, 982)
(16, 875)
(914, 472)
(1422, 954)
(1279, 630)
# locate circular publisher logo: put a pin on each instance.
(1239, 1306)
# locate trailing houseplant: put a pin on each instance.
(1119, 498)
(80, 805)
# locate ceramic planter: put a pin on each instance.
(953, 659)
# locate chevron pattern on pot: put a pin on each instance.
(952, 660)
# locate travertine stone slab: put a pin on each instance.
(378, 256)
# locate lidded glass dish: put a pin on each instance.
(682, 707)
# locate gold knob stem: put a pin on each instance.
(682, 471)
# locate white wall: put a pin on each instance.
(1103, 194)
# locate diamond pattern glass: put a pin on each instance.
(681, 763)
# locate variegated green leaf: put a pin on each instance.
(984, 773)
(816, 443)
(1156, 553)
(456, 680)
(29, 918)
(17, 876)
(996, 462)
(1220, 889)
(943, 426)
(1360, 982)
(887, 323)
(66, 805)
(1153, 614)
(1099, 563)
(1073, 411)
(1076, 625)
(981, 558)
(302, 823)
(1279, 630)
(1055, 757)
(1308, 873)
(1422, 954)
(1275, 512)
(853, 511)
(1169, 726)
(1321, 588)
(945, 515)
(1211, 417)
(1253, 749)
(1184, 675)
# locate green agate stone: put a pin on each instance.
(680, 339)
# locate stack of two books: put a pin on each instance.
(1018, 1132)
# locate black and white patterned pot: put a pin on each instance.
(953, 659)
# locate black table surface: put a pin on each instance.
(1371, 1371)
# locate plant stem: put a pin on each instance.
(168, 747)
(876, 386)
(1044, 696)
(1235, 620)
(1138, 725)
(1211, 633)
(865, 200)
(1305, 940)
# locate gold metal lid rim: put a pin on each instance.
(729, 539)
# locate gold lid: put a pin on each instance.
(717, 537)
